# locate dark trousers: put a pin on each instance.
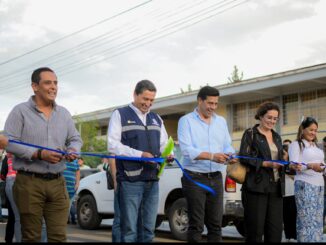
(204, 208)
(10, 227)
(263, 216)
(290, 217)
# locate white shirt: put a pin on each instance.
(114, 135)
(310, 154)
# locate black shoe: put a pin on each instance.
(73, 222)
(68, 222)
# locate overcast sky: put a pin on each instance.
(101, 48)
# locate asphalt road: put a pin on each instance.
(76, 234)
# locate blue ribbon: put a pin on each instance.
(142, 159)
(205, 187)
(257, 158)
(145, 159)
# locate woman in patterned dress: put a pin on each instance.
(308, 182)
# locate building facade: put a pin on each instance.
(300, 93)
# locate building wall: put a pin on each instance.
(294, 107)
(240, 116)
(171, 126)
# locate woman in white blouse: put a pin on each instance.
(308, 182)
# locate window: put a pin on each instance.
(290, 109)
(252, 110)
(296, 106)
(244, 114)
(239, 117)
(308, 104)
(321, 102)
(104, 130)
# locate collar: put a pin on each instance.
(198, 116)
(33, 104)
(138, 112)
(307, 143)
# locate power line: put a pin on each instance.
(137, 43)
(22, 73)
(146, 42)
(84, 45)
(76, 32)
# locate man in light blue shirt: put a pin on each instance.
(205, 143)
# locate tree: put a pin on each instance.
(235, 78)
(189, 89)
(91, 143)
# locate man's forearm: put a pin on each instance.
(21, 151)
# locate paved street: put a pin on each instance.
(75, 234)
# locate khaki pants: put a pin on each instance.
(37, 198)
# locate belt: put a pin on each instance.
(46, 176)
(207, 175)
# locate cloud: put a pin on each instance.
(260, 37)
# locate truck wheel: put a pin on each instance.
(178, 219)
(87, 215)
(239, 224)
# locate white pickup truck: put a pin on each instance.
(95, 202)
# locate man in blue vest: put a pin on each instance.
(135, 131)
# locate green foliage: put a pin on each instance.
(235, 77)
(91, 143)
(189, 89)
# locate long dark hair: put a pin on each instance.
(305, 124)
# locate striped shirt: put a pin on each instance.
(28, 124)
(70, 176)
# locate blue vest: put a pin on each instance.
(140, 137)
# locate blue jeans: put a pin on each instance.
(9, 184)
(72, 211)
(116, 233)
(44, 234)
(324, 214)
(138, 210)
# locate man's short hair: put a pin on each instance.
(144, 85)
(324, 139)
(36, 74)
(207, 91)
